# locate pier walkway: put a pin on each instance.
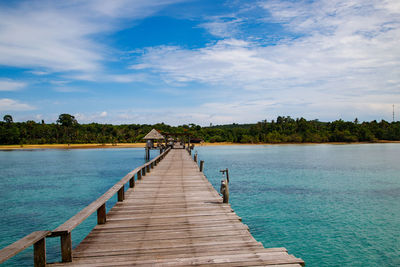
(174, 217)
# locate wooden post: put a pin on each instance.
(66, 247)
(148, 168)
(132, 182)
(201, 165)
(195, 157)
(101, 214)
(225, 186)
(121, 194)
(139, 175)
(143, 171)
(39, 253)
(225, 191)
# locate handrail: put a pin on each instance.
(64, 231)
(37, 239)
(78, 218)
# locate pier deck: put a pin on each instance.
(174, 217)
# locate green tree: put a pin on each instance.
(67, 120)
(8, 118)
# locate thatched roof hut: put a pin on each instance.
(153, 135)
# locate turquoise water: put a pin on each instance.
(332, 205)
(41, 189)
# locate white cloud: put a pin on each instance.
(39, 73)
(57, 36)
(7, 105)
(224, 27)
(346, 54)
(10, 85)
(103, 114)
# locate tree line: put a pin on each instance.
(67, 130)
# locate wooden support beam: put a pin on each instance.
(39, 253)
(201, 165)
(121, 194)
(66, 247)
(139, 175)
(225, 191)
(132, 182)
(101, 214)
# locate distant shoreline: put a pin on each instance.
(142, 145)
(293, 143)
(71, 146)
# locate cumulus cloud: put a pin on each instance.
(340, 53)
(10, 85)
(58, 35)
(7, 105)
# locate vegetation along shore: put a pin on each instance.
(66, 130)
(141, 145)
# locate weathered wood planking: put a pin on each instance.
(174, 217)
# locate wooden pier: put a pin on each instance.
(172, 216)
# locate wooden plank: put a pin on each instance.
(171, 253)
(243, 259)
(22, 244)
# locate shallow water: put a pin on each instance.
(332, 205)
(41, 189)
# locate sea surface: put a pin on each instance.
(331, 205)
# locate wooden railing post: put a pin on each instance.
(101, 214)
(121, 194)
(139, 175)
(225, 186)
(148, 168)
(195, 157)
(201, 165)
(143, 171)
(39, 253)
(66, 247)
(132, 182)
(225, 191)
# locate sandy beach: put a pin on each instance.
(142, 145)
(71, 146)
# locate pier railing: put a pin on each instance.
(64, 231)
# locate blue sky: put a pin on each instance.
(199, 61)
